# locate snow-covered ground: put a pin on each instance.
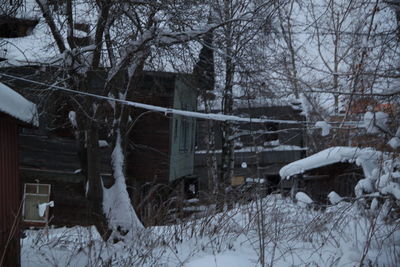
(274, 230)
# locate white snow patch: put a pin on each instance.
(383, 181)
(272, 143)
(375, 122)
(324, 126)
(303, 197)
(364, 186)
(259, 149)
(17, 106)
(116, 201)
(334, 198)
(306, 106)
(374, 204)
(392, 188)
(230, 260)
(255, 180)
(72, 119)
(394, 142)
(103, 143)
(366, 157)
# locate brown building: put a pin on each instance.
(15, 111)
(160, 151)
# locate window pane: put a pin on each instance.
(31, 188)
(44, 189)
(31, 211)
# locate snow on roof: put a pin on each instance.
(39, 46)
(367, 158)
(36, 48)
(17, 106)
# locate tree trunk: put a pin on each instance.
(227, 155)
(94, 192)
(94, 182)
(211, 160)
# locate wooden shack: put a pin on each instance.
(333, 169)
(319, 182)
(15, 111)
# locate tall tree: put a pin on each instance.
(122, 36)
(235, 45)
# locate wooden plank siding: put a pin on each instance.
(149, 150)
(154, 140)
(56, 154)
(339, 177)
(9, 192)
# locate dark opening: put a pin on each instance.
(13, 28)
(272, 183)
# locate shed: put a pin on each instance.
(15, 111)
(334, 169)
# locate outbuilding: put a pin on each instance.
(335, 169)
(15, 111)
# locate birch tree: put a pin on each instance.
(234, 43)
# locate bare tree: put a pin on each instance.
(122, 37)
(234, 45)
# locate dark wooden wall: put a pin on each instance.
(9, 192)
(54, 153)
(339, 177)
(265, 163)
(149, 148)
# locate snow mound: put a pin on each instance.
(303, 197)
(395, 141)
(368, 158)
(17, 106)
(221, 260)
(334, 198)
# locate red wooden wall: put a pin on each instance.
(9, 192)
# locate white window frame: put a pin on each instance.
(45, 217)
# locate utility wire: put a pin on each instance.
(193, 114)
(166, 111)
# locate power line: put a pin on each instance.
(192, 114)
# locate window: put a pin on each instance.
(184, 134)
(185, 129)
(35, 194)
(176, 130)
(193, 135)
